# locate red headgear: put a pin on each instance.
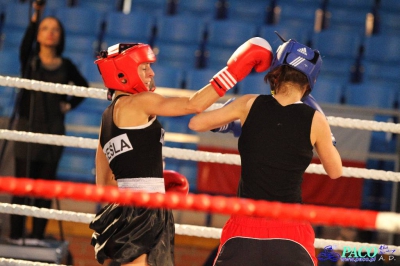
(118, 66)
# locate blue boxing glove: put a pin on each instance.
(310, 101)
(233, 127)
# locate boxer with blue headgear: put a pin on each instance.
(279, 134)
(300, 57)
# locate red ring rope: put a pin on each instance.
(201, 202)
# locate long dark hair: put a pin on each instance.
(284, 74)
(61, 43)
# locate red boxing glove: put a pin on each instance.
(256, 53)
(175, 182)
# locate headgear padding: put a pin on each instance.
(299, 57)
(119, 66)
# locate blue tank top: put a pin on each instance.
(134, 152)
(275, 150)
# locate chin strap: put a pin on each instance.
(110, 94)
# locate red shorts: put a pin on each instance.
(263, 241)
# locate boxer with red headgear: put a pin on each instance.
(129, 153)
(116, 66)
(278, 134)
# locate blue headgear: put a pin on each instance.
(300, 57)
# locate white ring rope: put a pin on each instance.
(102, 94)
(13, 262)
(180, 229)
(187, 154)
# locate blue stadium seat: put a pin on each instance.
(216, 56)
(177, 124)
(93, 105)
(9, 62)
(100, 6)
(287, 31)
(335, 67)
(195, 79)
(77, 165)
(132, 27)
(166, 76)
(85, 124)
(14, 21)
(182, 56)
(90, 71)
(52, 5)
(337, 43)
(389, 23)
(186, 29)
(83, 118)
(11, 39)
(371, 94)
(229, 33)
(254, 84)
(364, 5)
(382, 48)
(255, 13)
(156, 7)
(77, 57)
(204, 9)
(313, 3)
(5, 2)
(348, 19)
(79, 43)
(80, 20)
(298, 13)
(389, 7)
(380, 71)
(328, 90)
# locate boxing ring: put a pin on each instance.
(319, 215)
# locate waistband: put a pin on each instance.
(147, 184)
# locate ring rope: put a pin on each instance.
(14, 262)
(365, 219)
(102, 94)
(187, 154)
(180, 229)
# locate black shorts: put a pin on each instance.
(262, 241)
(123, 233)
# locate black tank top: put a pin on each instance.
(275, 150)
(134, 152)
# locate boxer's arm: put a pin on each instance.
(327, 153)
(237, 110)
(310, 101)
(233, 127)
(104, 175)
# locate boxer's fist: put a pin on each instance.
(233, 127)
(175, 182)
(255, 52)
